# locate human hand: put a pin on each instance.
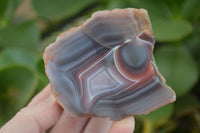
(43, 113)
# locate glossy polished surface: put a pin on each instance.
(105, 67)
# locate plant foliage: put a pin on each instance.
(26, 27)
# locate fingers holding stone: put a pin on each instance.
(68, 123)
(126, 125)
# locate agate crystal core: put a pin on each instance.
(105, 67)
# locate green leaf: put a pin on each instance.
(166, 21)
(117, 4)
(155, 8)
(17, 85)
(193, 45)
(159, 116)
(18, 56)
(138, 126)
(40, 65)
(43, 80)
(170, 30)
(168, 127)
(148, 126)
(175, 6)
(186, 104)
(59, 9)
(191, 9)
(177, 67)
(24, 35)
(7, 8)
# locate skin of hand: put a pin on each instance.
(44, 114)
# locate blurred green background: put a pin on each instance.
(28, 26)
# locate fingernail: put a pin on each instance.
(127, 125)
(127, 121)
(50, 99)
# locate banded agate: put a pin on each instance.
(105, 67)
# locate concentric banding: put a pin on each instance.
(133, 58)
(104, 68)
(123, 26)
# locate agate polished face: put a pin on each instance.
(105, 67)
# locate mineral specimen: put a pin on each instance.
(105, 67)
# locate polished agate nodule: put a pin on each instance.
(105, 67)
